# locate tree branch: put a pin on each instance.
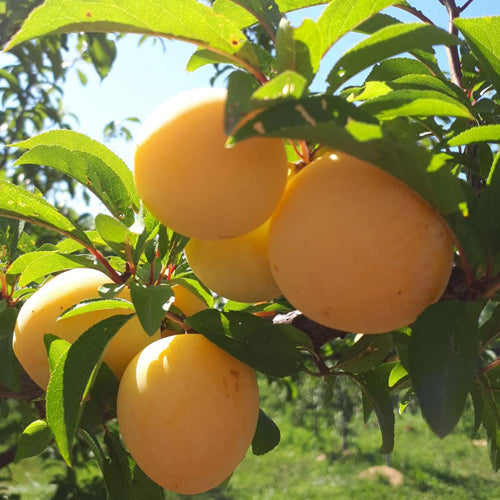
(465, 5)
(452, 52)
(319, 334)
(29, 391)
(7, 457)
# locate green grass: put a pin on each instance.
(433, 469)
(309, 465)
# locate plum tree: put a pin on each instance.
(39, 314)
(355, 249)
(236, 268)
(196, 408)
(192, 183)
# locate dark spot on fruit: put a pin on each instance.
(226, 389)
(88, 14)
(234, 42)
(400, 292)
(235, 374)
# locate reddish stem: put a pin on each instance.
(112, 273)
(492, 365)
(492, 290)
(469, 275)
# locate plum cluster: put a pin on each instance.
(346, 243)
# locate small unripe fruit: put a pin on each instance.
(235, 268)
(39, 314)
(187, 412)
(355, 249)
(196, 186)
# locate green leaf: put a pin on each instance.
(366, 353)
(72, 379)
(10, 235)
(232, 10)
(486, 214)
(483, 39)
(395, 68)
(20, 264)
(76, 141)
(270, 349)
(287, 85)
(56, 348)
(265, 11)
(387, 42)
(267, 435)
(17, 203)
(490, 328)
(428, 82)
(342, 16)
(490, 419)
(331, 121)
(374, 385)
(90, 171)
(115, 234)
(240, 88)
(418, 103)
(398, 373)
(243, 18)
(151, 303)
(123, 477)
(93, 305)
(53, 262)
(34, 440)
(484, 133)
(102, 52)
(186, 20)
(443, 354)
(298, 49)
(10, 369)
(202, 57)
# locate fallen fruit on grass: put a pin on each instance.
(235, 268)
(355, 249)
(196, 186)
(187, 411)
(39, 314)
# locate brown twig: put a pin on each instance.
(465, 5)
(492, 290)
(8, 456)
(452, 52)
(319, 334)
(492, 365)
(469, 274)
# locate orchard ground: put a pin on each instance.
(310, 466)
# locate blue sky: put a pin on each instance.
(144, 76)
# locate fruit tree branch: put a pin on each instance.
(465, 5)
(452, 52)
(319, 334)
(8, 456)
